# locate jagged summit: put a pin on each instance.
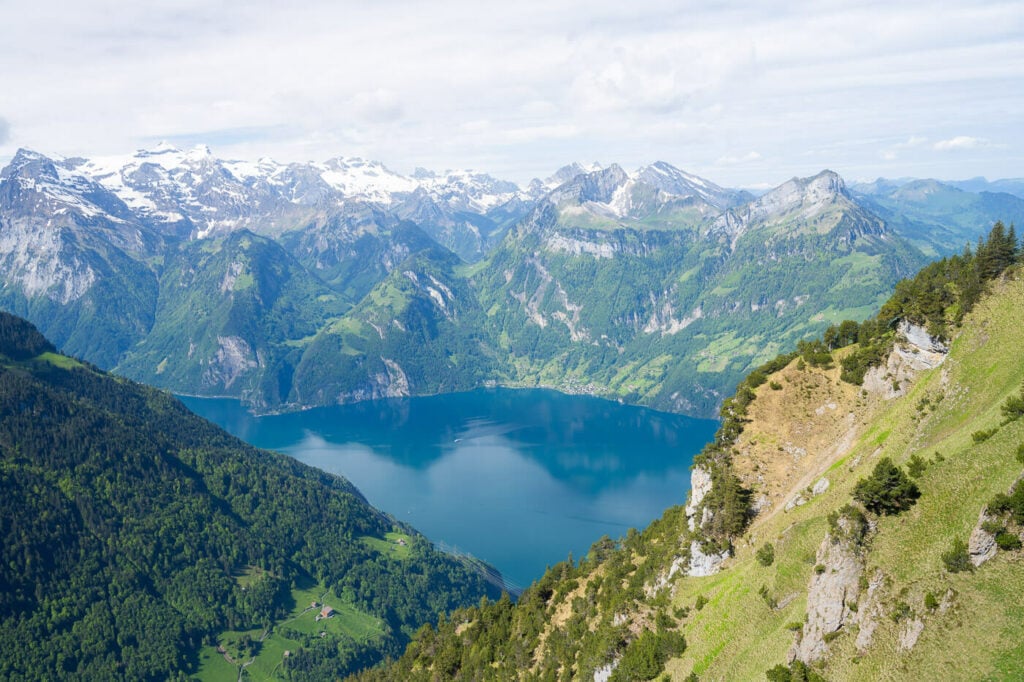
(815, 204)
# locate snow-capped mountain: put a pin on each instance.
(659, 192)
(192, 193)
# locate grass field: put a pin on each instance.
(737, 635)
(346, 622)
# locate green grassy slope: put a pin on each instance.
(979, 636)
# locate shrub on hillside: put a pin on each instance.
(916, 466)
(887, 490)
(798, 671)
(1008, 541)
(983, 435)
(957, 559)
(1012, 504)
(848, 523)
(766, 554)
(645, 656)
(1013, 408)
(815, 353)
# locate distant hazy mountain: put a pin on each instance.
(1014, 186)
(939, 217)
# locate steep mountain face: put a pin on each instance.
(938, 217)
(72, 256)
(354, 248)
(690, 297)
(875, 531)
(232, 317)
(136, 534)
(418, 332)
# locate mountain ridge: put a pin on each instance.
(599, 285)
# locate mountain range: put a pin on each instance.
(294, 285)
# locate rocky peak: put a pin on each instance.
(29, 164)
(673, 181)
(824, 186)
(567, 173)
(597, 186)
(794, 204)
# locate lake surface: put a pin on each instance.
(518, 478)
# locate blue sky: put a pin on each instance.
(745, 94)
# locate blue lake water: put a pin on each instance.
(518, 478)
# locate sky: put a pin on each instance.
(747, 94)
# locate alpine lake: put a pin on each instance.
(519, 478)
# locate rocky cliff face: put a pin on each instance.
(916, 351)
(832, 595)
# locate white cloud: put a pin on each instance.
(959, 142)
(378, 105)
(732, 160)
(410, 83)
(5, 130)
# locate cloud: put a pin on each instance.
(223, 137)
(959, 142)
(379, 105)
(911, 142)
(5, 130)
(526, 87)
(733, 160)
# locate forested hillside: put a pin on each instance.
(135, 534)
(859, 516)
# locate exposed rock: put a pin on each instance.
(604, 673)
(233, 359)
(828, 597)
(397, 382)
(801, 499)
(982, 545)
(869, 612)
(760, 503)
(919, 338)
(663, 319)
(390, 383)
(576, 247)
(912, 629)
(797, 501)
(701, 564)
(947, 601)
(700, 485)
(916, 351)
